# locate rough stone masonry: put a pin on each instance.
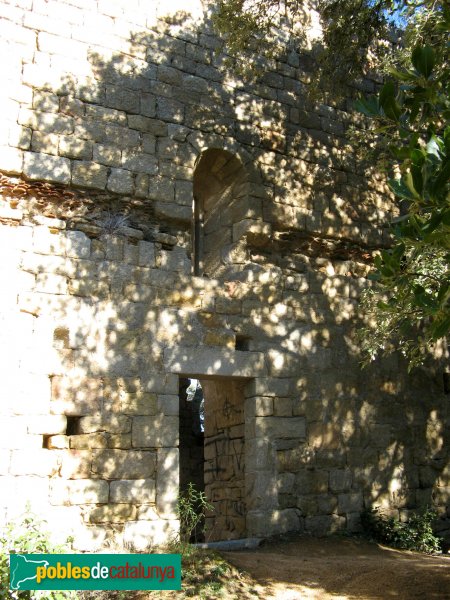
(161, 219)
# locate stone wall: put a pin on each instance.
(110, 111)
(225, 459)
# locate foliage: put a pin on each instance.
(357, 35)
(411, 299)
(408, 126)
(192, 507)
(415, 534)
(27, 535)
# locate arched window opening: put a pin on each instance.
(219, 189)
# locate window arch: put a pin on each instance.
(220, 187)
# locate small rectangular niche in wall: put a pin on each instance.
(242, 342)
(73, 425)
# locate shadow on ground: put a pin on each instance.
(348, 569)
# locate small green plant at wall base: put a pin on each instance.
(192, 507)
(27, 534)
(415, 534)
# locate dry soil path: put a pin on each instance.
(344, 569)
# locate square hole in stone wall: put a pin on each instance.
(73, 425)
(242, 342)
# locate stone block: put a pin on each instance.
(47, 424)
(340, 480)
(44, 122)
(220, 337)
(78, 245)
(89, 174)
(167, 482)
(282, 407)
(72, 396)
(119, 440)
(120, 182)
(323, 525)
(139, 162)
(72, 147)
(269, 386)
(293, 459)
(147, 512)
(162, 189)
(109, 423)
(118, 513)
(173, 211)
(155, 432)
(260, 455)
(88, 440)
(51, 284)
(142, 403)
(350, 503)
(123, 464)
(40, 462)
(212, 361)
(58, 442)
(107, 155)
(122, 99)
(168, 404)
(311, 482)
(81, 491)
(264, 523)
(258, 407)
(89, 539)
(45, 167)
(280, 427)
(11, 159)
(76, 464)
(145, 535)
(136, 491)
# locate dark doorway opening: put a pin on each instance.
(212, 453)
(192, 454)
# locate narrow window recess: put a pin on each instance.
(242, 342)
(73, 425)
(446, 381)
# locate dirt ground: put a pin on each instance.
(342, 569)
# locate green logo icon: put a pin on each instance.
(95, 571)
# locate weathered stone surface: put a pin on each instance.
(118, 513)
(137, 172)
(86, 491)
(145, 535)
(167, 482)
(50, 425)
(280, 427)
(91, 440)
(155, 432)
(111, 424)
(137, 491)
(41, 462)
(120, 464)
(46, 167)
(208, 361)
(89, 174)
(120, 181)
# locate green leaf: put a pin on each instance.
(401, 75)
(368, 106)
(433, 147)
(410, 184)
(442, 179)
(423, 59)
(441, 327)
(399, 188)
